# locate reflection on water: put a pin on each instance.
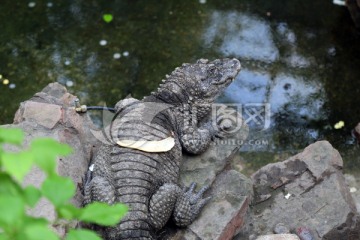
(301, 57)
(292, 94)
(240, 34)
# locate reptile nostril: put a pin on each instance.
(235, 63)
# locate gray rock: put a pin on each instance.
(307, 190)
(225, 214)
(281, 228)
(354, 186)
(50, 113)
(278, 237)
(204, 168)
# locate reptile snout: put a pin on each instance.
(230, 69)
(234, 67)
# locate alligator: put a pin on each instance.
(145, 176)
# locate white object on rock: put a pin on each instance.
(353, 189)
(91, 168)
(287, 196)
(149, 146)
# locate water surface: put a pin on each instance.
(299, 57)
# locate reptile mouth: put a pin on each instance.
(225, 81)
(233, 66)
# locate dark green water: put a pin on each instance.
(299, 56)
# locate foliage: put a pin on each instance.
(108, 18)
(15, 199)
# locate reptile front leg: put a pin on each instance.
(195, 141)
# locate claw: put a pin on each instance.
(199, 205)
(202, 190)
(203, 202)
(191, 188)
(198, 195)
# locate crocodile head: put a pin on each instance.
(210, 78)
(199, 82)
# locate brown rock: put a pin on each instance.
(47, 115)
(356, 132)
(354, 9)
(306, 190)
(50, 113)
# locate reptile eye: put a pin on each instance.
(212, 70)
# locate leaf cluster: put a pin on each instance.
(16, 199)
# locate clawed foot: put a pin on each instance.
(195, 199)
(189, 205)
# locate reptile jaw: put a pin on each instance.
(233, 66)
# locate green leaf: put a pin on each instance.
(29, 220)
(39, 232)
(12, 210)
(107, 17)
(31, 195)
(82, 234)
(68, 211)
(17, 164)
(8, 186)
(103, 214)
(58, 189)
(45, 151)
(11, 135)
(3, 237)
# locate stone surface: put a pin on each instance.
(204, 168)
(356, 132)
(278, 237)
(225, 214)
(354, 9)
(281, 228)
(307, 190)
(354, 187)
(50, 113)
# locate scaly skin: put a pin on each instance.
(148, 182)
